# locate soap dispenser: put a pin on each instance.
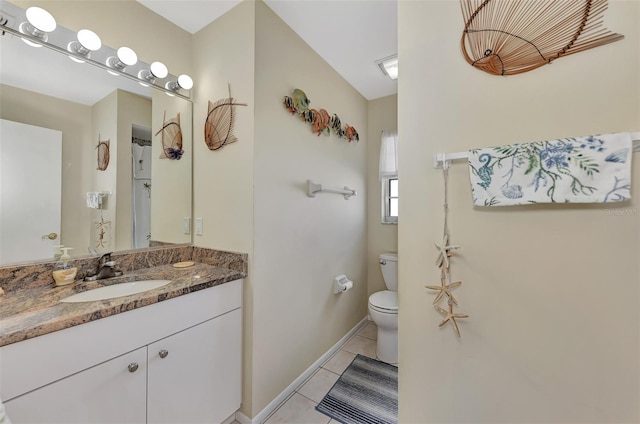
(64, 273)
(57, 253)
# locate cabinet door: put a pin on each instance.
(106, 393)
(199, 378)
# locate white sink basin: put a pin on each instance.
(116, 290)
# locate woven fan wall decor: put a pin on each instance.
(171, 137)
(507, 37)
(103, 154)
(218, 127)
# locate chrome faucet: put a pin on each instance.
(105, 269)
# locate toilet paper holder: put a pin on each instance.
(341, 284)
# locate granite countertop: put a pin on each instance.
(33, 311)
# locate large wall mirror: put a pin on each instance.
(83, 157)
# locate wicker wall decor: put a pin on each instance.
(506, 37)
(218, 127)
(171, 136)
(103, 154)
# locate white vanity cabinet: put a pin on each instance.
(107, 393)
(194, 375)
(177, 361)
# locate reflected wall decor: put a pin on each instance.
(171, 136)
(103, 154)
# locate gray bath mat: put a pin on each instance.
(365, 393)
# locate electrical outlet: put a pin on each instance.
(186, 225)
(198, 226)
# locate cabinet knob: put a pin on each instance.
(133, 367)
(163, 353)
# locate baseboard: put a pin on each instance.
(242, 419)
(229, 420)
(286, 393)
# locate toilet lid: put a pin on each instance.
(386, 300)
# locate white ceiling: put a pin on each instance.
(349, 34)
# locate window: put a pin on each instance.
(389, 176)
(390, 200)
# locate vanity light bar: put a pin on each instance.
(82, 58)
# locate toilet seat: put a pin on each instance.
(385, 301)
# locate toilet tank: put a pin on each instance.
(389, 267)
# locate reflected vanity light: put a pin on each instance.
(88, 41)
(184, 82)
(156, 70)
(39, 23)
(125, 57)
(85, 46)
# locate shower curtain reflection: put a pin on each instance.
(141, 187)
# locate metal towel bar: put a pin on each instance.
(313, 188)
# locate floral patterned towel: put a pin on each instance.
(593, 169)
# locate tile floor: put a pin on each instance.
(300, 407)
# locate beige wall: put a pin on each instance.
(172, 179)
(302, 243)
(74, 120)
(382, 115)
(105, 127)
(251, 194)
(552, 290)
(223, 179)
(132, 109)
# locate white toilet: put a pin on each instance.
(383, 309)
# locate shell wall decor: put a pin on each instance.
(218, 127)
(103, 154)
(506, 37)
(320, 120)
(171, 138)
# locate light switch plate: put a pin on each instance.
(198, 226)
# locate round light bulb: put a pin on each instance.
(41, 19)
(87, 42)
(185, 81)
(159, 70)
(127, 56)
(156, 70)
(89, 39)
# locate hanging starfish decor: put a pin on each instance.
(450, 316)
(443, 262)
(444, 288)
(444, 251)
